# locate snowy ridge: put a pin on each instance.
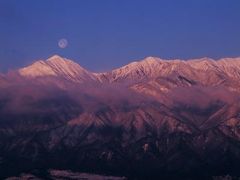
(148, 68)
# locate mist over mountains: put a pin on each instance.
(150, 119)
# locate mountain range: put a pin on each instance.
(150, 119)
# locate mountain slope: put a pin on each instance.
(152, 119)
(146, 69)
(203, 71)
(120, 135)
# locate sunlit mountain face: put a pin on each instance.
(150, 119)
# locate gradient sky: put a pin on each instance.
(104, 34)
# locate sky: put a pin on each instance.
(105, 34)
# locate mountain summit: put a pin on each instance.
(59, 67)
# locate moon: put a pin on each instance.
(63, 43)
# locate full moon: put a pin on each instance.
(62, 43)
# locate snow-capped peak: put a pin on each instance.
(55, 56)
(203, 63)
(59, 67)
(56, 59)
(137, 70)
(151, 60)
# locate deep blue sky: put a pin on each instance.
(104, 34)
